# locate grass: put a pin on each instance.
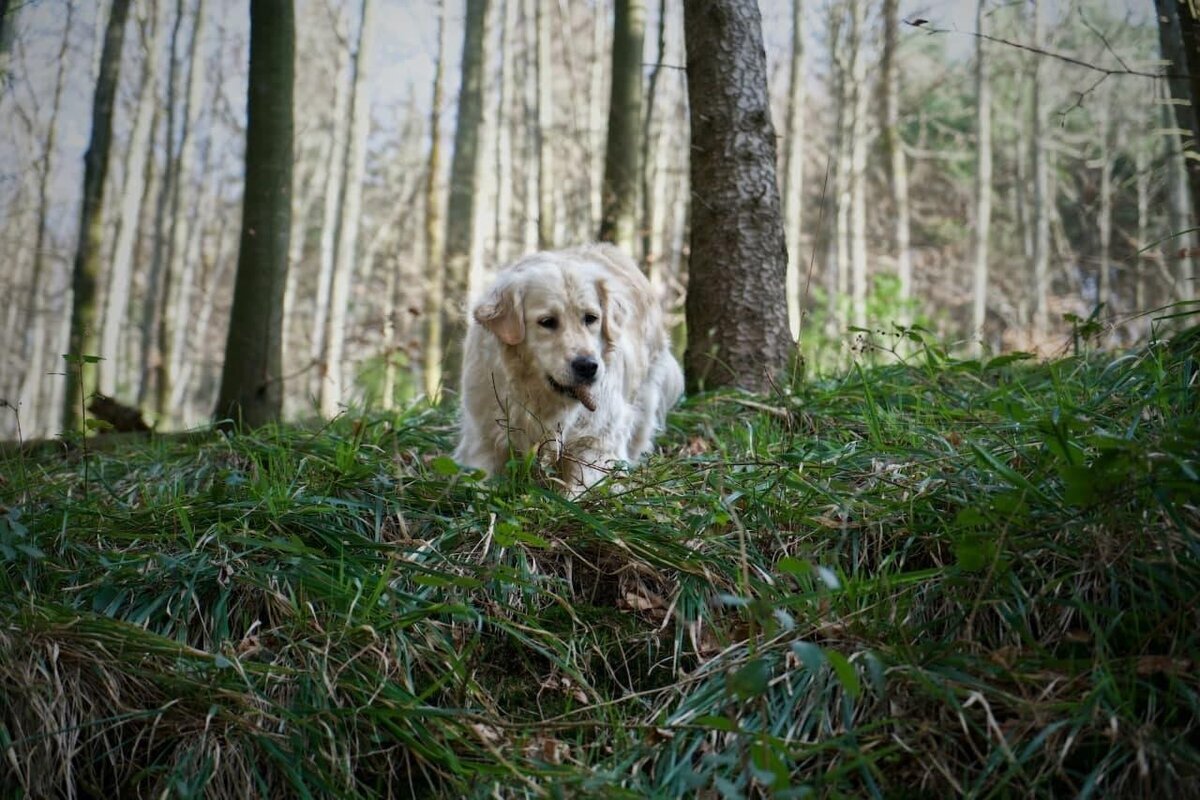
(944, 577)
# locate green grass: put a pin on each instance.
(916, 580)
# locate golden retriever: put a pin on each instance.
(568, 357)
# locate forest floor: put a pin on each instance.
(938, 578)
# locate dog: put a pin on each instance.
(567, 357)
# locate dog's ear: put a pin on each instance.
(616, 310)
(502, 313)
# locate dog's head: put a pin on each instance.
(560, 316)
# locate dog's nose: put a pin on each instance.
(584, 368)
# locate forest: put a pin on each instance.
(925, 523)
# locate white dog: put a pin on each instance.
(569, 357)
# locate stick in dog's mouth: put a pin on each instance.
(580, 392)
(584, 395)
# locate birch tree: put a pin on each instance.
(116, 315)
(251, 387)
(544, 127)
(86, 267)
(983, 183)
(858, 165)
(434, 230)
(464, 177)
(333, 359)
(1041, 181)
(335, 172)
(34, 342)
(793, 170)
(737, 326)
(618, 207)
(897, 159)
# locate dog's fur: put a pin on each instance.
(521, 387)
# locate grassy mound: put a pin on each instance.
(941, 578)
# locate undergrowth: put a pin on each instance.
(933, 578)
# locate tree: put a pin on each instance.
(1179, 37)
(737, 325)
(545, 124)
(983, 182)
(858, 165)
(464, 177)
(35, 339)
(173, 330)
(897, 160)
(1041, 180)
(86, 267)
(335, 164)
(120, 274)
(434, 232)
(618, 205)
(793, 165)
(355, 156)
(251, 386)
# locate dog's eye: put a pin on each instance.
(590, 319)
(549, 323)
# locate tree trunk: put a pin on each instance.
(1104, 220)
(176, 269)
(737, 325)
(544, 128)
(793, 169)
(334, 194)
(464, 177)
(434, 230)
(1179, 244)
(333, 384)
(595, 120)
(858, 167)
(8, 21)
(1179, 38)
(1041, 183)
(897, 159)
(983, 184)
(86, 268)
(504, 125)
(116, 315)
(251, 387)
(34, 343)
(618, 205)
(1143, 215)
(649, 150)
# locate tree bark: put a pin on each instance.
(34, 343)
(251, 387)
(464, 178)
(331, 218)
(86, 268)
(897, 159)
(8, 21)
(504, 124)
(1179, 38)
(649, 150)
(545, 128)
(116, 315)
(178, 273)
(737, 326)
(983, 184)
(618, 205)
(1041, 183)
(333, 384)
(434, 231)
(1104, 216)
(858, 166)
(793, 166)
